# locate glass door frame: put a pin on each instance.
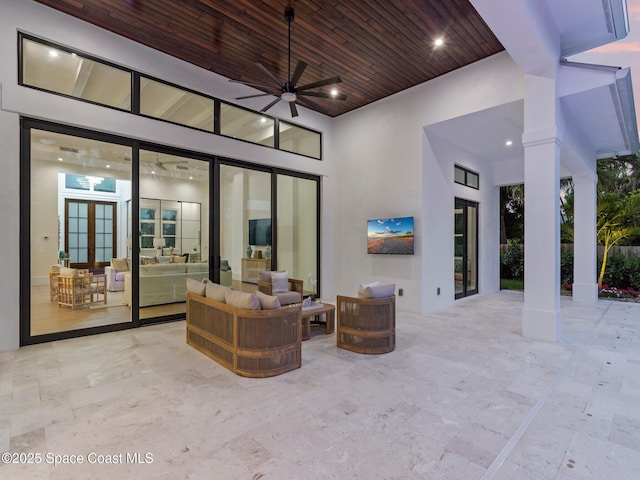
(135, 224)
(27, 124)
(274, 172)
(465, 247)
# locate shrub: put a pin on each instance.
(632, 270)
(614, 274)
(622, 272)
(513, 261)
(566, 266)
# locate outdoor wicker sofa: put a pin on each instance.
(250, 343)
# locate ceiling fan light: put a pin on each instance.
(288, 96)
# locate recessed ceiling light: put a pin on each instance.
(53, 53)
(153, 172)
(334, 92)
(191, 178)
(263, 120)
(60, 159)
(508, 143)
(438, 42)
(108, 166)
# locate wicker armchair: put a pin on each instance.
(74, 290)
(294, 295)
(366, 325)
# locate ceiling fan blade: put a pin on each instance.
(169, 162)
(250, 84)
(253, 96)
(320, 83)
(271, 104)
(311, 104)
(341, 96)
(297, 73)
(294, 110)
(269, 74)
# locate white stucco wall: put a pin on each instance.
(389, 166)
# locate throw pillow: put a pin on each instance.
(247, 301)
(279, 282)
(216, 292)
(148, 260)
(268, 302)
(379, 291)
(68, 272)
(363, 287)
(179, 259)
(194, 286)
(120, 264)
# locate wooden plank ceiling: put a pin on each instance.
(377, 47)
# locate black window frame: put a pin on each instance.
(466, 172)
(135, 96)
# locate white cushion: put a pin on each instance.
(363, 287)
(268, 302)
(194, 286)
(378, 291)
(279, 282)
(216, 292)
(247, 301)
(68, 272)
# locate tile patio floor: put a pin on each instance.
(464, 396)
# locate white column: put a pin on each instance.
(585, 250)
(541, 315)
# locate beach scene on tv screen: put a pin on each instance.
(390, 235)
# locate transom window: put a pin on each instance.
(60, 70)
(466, 177)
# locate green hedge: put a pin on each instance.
(622, 272)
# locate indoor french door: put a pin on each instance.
(466, 248)
(90, 228)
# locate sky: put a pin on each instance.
(623, 53)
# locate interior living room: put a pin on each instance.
(147, 150)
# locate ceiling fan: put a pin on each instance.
(161, 164)
(289, 91)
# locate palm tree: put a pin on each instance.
(618, 218)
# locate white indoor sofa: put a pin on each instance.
(163, 283)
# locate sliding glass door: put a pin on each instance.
(79, 188)
(466, 248)
(297, 232)
(173, 231)
(245, 226)
(115, 228)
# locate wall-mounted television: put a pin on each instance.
(260, 231)
(390, 236)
